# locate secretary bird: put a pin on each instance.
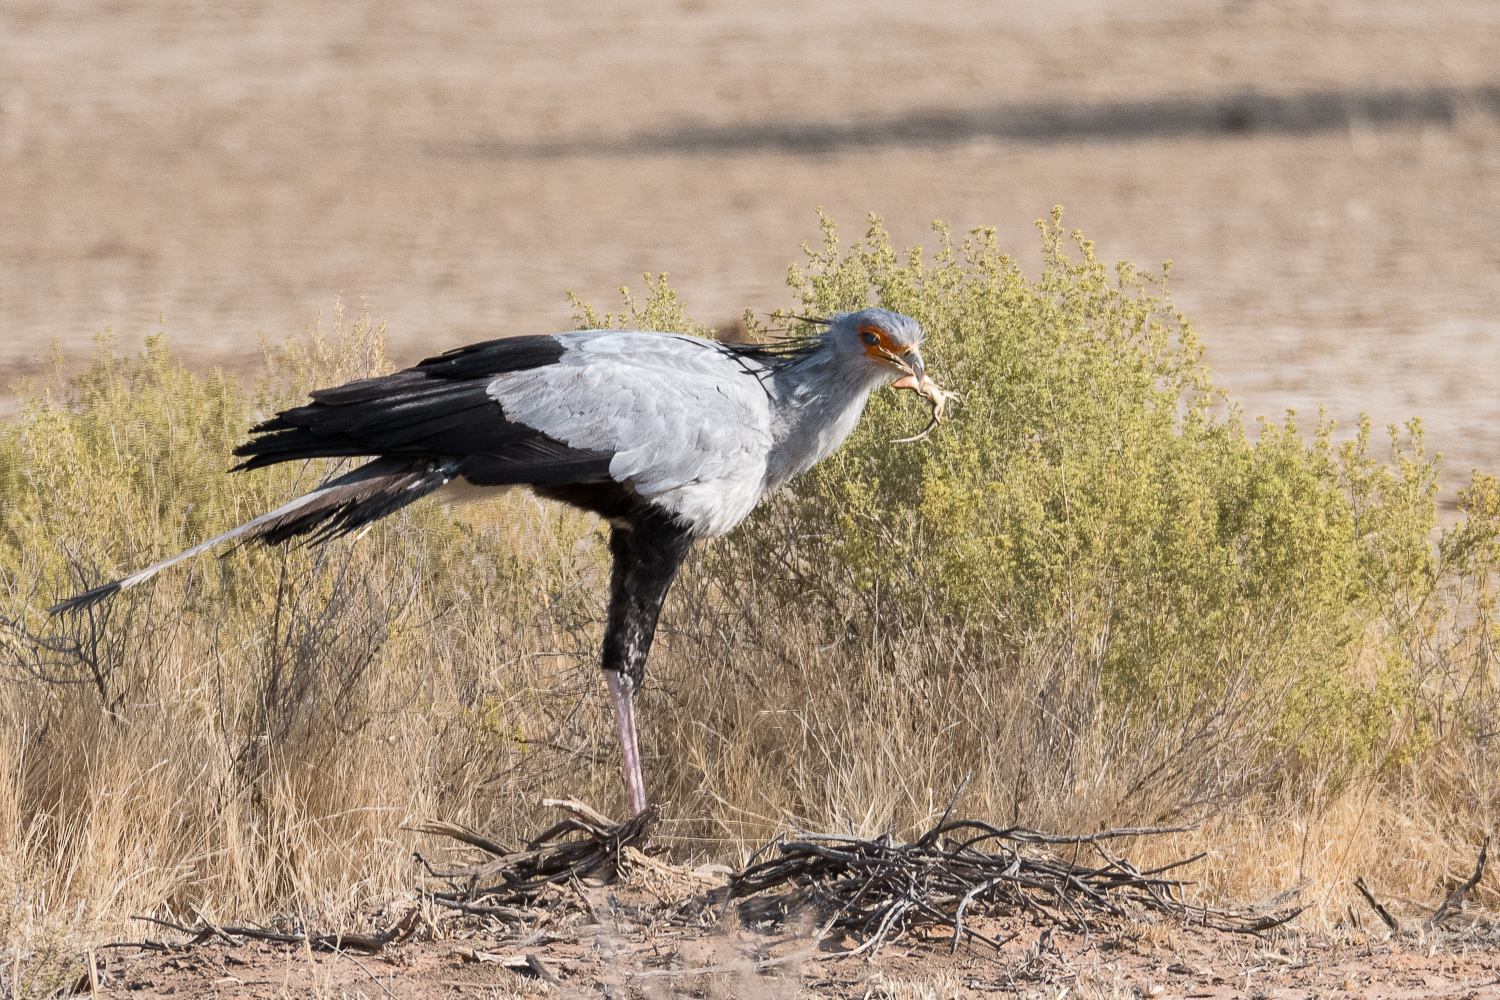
(670, 438)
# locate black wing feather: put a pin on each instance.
(494, 357)
(537, 461)
(441, 410)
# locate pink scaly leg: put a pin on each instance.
(623, 698)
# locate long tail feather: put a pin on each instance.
(344, 505)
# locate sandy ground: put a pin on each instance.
(623, 953)
(230, 168)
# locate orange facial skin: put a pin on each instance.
(881, 349)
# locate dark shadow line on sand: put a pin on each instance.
(1240, 114)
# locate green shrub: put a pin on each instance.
(1094, 488)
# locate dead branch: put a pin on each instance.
(875, 890)
(879, 890)
(499, 912)
(1458, 894)
(515, 877)
(581, 809)
(372, 943)
(463, 834)
(1380, 911)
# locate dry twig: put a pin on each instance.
(372, 943)
(1458, 894)
(515, 877)
(1380, 911)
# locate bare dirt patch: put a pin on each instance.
(625, 953)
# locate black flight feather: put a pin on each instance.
(441, 409)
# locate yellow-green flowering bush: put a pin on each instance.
(1093, 488)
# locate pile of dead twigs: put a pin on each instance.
(513, 876)
(875, 890)
(872, 890)
(878, 890)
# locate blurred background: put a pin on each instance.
(1325, 176)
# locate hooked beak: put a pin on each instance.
(918, 382)
(912, 364)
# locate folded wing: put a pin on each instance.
(686, 421)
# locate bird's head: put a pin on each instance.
(888, 343)
(880, 342)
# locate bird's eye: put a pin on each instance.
(869, 338)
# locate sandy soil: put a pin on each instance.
(625, 953)
(230, 169)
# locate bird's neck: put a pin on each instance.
(819, 402)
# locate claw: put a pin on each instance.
(933, 393)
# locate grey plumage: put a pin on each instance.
(669, 437)
(700, 428)
(687, 421)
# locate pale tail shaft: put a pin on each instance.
(344, 505)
